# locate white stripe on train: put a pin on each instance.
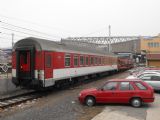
(59, 74)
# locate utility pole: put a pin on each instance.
(12, 40)
(109, 30)
(109, 34)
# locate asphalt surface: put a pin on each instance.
(146, 112)
(63, 105)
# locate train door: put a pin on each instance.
(48, 65)
(25, 65)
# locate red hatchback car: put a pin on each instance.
(134, 92)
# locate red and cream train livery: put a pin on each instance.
(44, 63)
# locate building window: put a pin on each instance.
(81, 60)
(157, 44)
(67, 60)
(153, 44)
(87, 60)
(75, 60)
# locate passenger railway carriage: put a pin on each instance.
(44, 63)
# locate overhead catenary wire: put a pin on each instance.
(27, 29)
(4, 38)
(27, 33)
(36, 24)
(9, 34)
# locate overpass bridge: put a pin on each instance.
(113, 44)
(103, 40)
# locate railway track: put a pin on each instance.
(15, 100)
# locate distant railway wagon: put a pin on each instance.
(125, 63)
(44, 63)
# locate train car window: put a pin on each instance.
(111, 61)
(87, 60)
(94, 60)
(75, 60)
(23, 58)
(81, 60)
(67, 60)
(91, 60)
(100, 62)
(108, 59)
(103, 60)
(48, 61)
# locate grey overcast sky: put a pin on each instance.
(64, 18)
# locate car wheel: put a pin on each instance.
(90, 101)
(136, 102)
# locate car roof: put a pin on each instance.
(124, 80)
(151, 72)
(148, 73)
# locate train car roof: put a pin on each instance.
(47, 45)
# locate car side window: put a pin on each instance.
(140, 76)
(144, 75)
(140, 86)
(110, 86)
(126, 86)
(145, 78)
(155, 78)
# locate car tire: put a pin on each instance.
(136, 102)
(90, 101)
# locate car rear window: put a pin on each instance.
(140, 86)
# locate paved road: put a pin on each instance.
(153, 112)
(63, 105)
(147, 112)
